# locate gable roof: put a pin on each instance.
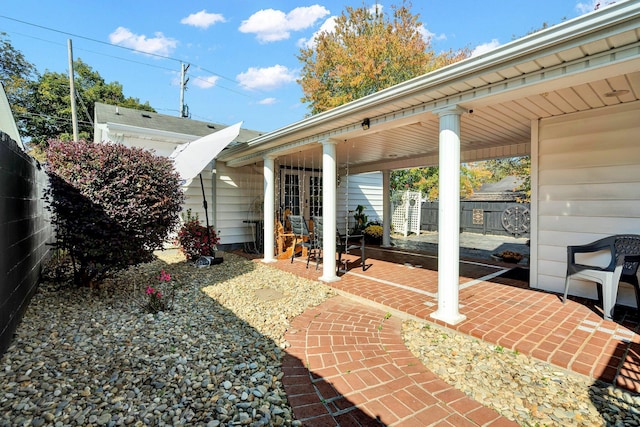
(105, 113)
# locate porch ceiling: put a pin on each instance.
(569, 68)
(489, 131)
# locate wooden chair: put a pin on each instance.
(623, 252)
(301, 235)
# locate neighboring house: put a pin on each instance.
(568, 95)
(234, 195)
(505, 190)
(234, 190)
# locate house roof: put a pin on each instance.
(503, 190)
(105, 113)
(573, 66)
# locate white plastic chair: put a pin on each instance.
(623, 251)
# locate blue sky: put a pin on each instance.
(242, 54)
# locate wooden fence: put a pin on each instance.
(497, 218)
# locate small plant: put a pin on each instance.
(499, 349)
(193, 238)
(361, 219)
(373, 234)
(156, 300)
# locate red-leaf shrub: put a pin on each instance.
(111, 205)
(193, 238)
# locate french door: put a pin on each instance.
(301, 192)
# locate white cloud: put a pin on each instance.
(158, 45)
(266, 78)
(586, 7)
(271, 25)
(327, 27)
(202, 19)
(205, 82)
(267, 101)
(485, 47)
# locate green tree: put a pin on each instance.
(49, 97)
(426, 180)
(16, 74)
(367, 51)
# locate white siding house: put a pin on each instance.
(568, 95)
(227, 201)
(588, 187)
(234, 194)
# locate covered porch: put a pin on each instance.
(568, 96)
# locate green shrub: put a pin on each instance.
(111, 205)
(193, 238)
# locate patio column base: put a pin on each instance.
(268, 260)
(449, 318)
(329, 279)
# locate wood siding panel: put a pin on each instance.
(588, 188)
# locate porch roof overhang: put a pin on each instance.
(573, 66)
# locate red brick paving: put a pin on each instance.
(341, 344)
(378, 381)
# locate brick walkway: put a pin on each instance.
(347, 366)
(500, 309)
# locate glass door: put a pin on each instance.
(315, 196)
(291, 192)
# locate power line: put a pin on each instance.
(128, 49)
(89, 38)
(49, 117)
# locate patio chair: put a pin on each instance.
(301, 235)
(347, 242)
(318, 228)
(623, 252)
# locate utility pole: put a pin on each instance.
(184, 109)
(72, 93)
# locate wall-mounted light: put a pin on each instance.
(366, 124)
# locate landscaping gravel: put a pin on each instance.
(95, 357)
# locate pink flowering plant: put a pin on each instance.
(193, 239)
(160, 297)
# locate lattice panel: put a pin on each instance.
(406, 212)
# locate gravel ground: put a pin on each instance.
(96, 357)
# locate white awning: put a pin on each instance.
(191, 158)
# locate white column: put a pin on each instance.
(329, 201)
(449, 217)
(269, 210)
(386, 208)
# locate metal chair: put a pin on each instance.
(318, 232)
(624, 258)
